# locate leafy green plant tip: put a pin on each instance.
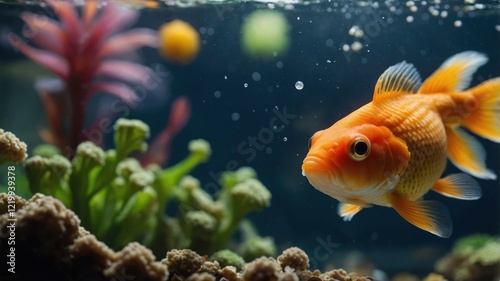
(252, 194)
(130, 136)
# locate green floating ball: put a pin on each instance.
(265, 33)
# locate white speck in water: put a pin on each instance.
(353, 29)
(217, 94)
(299, 85)
(225, 77)
(285, 138)
(409, 19)
(497, 27)
(346, 48)
(279, 64)
(328, 61)
(359, 33)
(356, 46)
(245, 85)
(457, 23)
(298, 18)
(444, 14)
(413, 9)
(235, 116)
(256, 76)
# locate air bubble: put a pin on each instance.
(235, 116)
(299, 85)
(256, 76)
(245, 85)
(285, 138)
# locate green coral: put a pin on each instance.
(469, 244)
(475, 257)
(121, 201)
(228, 258)
(253, 245)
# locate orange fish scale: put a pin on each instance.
(413, 118)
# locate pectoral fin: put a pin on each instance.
(460, 186)
(430, 216)
(347, 211)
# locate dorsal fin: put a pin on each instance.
(455, 74)
(398, 79)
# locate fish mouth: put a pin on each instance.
(315, 165)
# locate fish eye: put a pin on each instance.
(360, 148)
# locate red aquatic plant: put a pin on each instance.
(158, 152)
(82, 50)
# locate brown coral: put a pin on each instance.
(136, 260)
(51, 243)
(210, 267)
(229, 273)
(201, 277)
(12, 200)
(342, 275)
(183, 262)
(294, 258)
(12, 149)
(44, 223)
(91, 255)
(261, 269)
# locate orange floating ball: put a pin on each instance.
(179, 42)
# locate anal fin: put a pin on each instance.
(347, 211)
(460, 186)
(430, 216)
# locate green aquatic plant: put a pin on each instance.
(475, 257)
(120, 201)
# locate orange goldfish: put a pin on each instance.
(393, 150)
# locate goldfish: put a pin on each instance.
(393, 150)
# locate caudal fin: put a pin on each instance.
(484, 117)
